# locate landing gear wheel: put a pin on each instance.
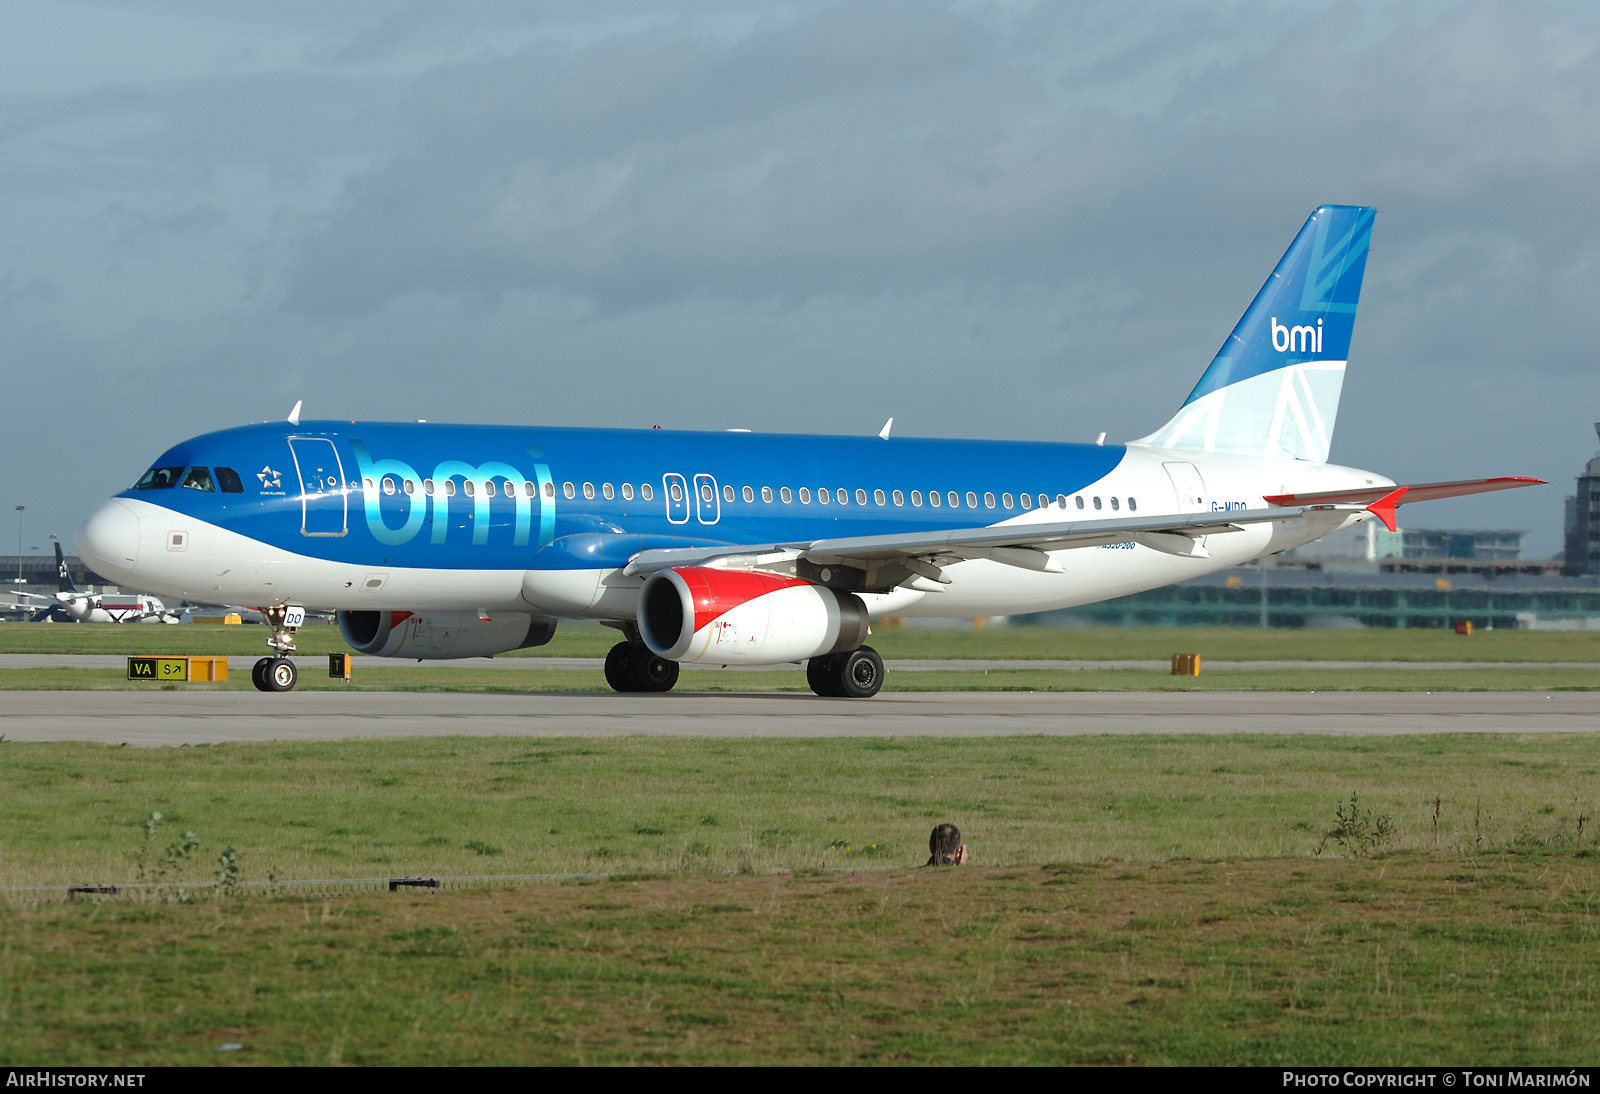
(280, 674)
(618, 660)
(647, 672)
(819, 674)
(258, 674)
(858, 674)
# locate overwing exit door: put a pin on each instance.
(323, 497)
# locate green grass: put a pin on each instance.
(1132, 900)
(76, 812)
(1410, 960)
(374, 675)
(1032, 643)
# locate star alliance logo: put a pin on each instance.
(270, 479)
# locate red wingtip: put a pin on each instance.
(1383, 508)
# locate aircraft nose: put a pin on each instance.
(108, 540)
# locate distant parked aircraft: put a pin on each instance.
(70, 605)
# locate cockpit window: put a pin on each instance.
(228, 479)
(159, 478)
(199, 478)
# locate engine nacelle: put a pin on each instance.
(741, 617)
(438, 636)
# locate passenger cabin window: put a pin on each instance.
(878, 498)
(784, 493)
(1005, 500)
(1114, 504)
(1079, 500)
(488, 488)
(1027, 501)
(646, 491)
(409, 486)
(766, 494)
(1097, 501)
(199, 478)
(228, 479)
(449, 488)
(861, 497)
(471, 488)
(1044, 501)
(822, 495)
(988, 500)
(805, 496)
(705, 492)
(935, 498)
(627, 491)
(159, 478)
(388, 485)
(549, 489)
(606, 492)
(916, 499)
(749, 493)
(529, 490)
(954, 499)
(677, 492)
(1133, 506)
(727, 493)
(569, 490)
(899, 498)
(427, 487)
(588, 490)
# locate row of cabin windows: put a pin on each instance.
(823, 495)
(197, 478)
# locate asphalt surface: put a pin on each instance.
(242, 663)
(188, 718)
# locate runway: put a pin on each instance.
(238, 663)
(180, 718)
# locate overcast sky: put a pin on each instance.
(988, 220)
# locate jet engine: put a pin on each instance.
(741, 617)
(437, 636)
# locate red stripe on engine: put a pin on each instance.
(717, 592)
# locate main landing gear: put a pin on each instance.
(854, 674)
(277, 673)
(631, 667)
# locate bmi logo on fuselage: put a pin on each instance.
(1299, 339)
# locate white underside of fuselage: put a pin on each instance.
(217, 565)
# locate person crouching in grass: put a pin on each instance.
(945, 847)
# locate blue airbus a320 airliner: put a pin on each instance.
(440, 541)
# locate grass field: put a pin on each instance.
(1146, 900)
(1025, 642)
(76, 812)
(1408, 959)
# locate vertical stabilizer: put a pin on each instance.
(63, 575)
(1273, 389)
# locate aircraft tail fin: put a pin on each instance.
(1273, 388)
(63, 576)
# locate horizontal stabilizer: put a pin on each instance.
(1428, 491)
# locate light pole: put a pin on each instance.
(20, 508)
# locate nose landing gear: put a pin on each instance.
(277, 673)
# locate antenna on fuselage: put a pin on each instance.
(1100, 439)
(884, 432)
(294, 415)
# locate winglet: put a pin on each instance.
(1383, 508)
(884, 432)
(294, 415)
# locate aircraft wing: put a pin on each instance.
(1427, 491)
(1022, 545)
